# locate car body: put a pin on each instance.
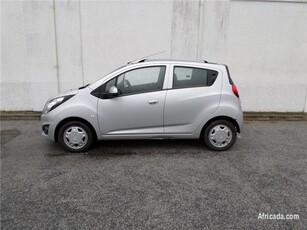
(149, 99)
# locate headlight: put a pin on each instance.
(52, 104)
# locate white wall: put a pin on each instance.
(267, 53)
(52, 46)
(114, 33)
(28, 55)
(68, 40)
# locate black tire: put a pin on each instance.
(228, 131)
(81, 132)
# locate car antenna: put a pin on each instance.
(144, 58)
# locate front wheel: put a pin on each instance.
(75, 136)
(220, 135)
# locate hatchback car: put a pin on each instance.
(149, 99)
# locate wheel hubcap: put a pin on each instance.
(220, 136)
(75, 137)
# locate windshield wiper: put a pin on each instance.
(82, 87)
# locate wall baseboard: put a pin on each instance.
(275, 116)
(20, 115)
(248, 116)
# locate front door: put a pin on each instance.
(139, 107)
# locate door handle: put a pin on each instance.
(152, 102)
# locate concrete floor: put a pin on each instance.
(171, 184)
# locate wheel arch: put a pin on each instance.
(64, 121)
(230, 119)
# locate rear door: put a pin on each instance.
(194, 95)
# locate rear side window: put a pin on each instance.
(193, 77)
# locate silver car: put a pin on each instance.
(149, 99)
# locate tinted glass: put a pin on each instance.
(193, 77)
(138, 80)
(110, 84)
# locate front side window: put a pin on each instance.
(138, 80)
(193, 77)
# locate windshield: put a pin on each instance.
(107, 74)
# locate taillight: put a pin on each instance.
(235, 91)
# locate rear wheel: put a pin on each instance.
(220, 135)
(75, 136)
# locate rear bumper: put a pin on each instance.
(239, 120)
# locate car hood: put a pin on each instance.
(69, 92)
(66, 93)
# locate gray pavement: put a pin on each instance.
(171, 184)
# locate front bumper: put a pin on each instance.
(48, 126)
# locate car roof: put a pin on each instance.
(173, 60)
(169, 61)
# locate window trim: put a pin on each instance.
(104, 95)
(191, 67)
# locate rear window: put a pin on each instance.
(229, 78)
(185, 77)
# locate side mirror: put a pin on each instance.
(113, 91)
